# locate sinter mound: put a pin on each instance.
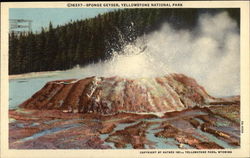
(173, 92)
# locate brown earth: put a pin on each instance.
(196, 127)
(174, 92)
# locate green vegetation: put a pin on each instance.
(91, 40)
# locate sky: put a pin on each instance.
(58, 16)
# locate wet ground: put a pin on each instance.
(214, 127)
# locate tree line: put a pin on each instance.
(91, 40)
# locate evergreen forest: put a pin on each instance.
(91, 40)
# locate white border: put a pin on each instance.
(245, 110)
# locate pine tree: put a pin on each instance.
(50, 48)
(13, 47)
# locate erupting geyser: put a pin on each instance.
(209, 53)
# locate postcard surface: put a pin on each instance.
(127, 79)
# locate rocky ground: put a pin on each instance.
(208, 127)
(168, 112)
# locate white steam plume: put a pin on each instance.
(209, 53)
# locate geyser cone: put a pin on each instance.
(173, 92)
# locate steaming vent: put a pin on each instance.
(209, 53)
